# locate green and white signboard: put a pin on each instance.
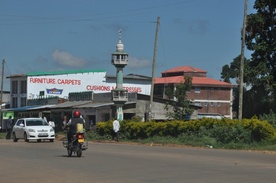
(7, 114)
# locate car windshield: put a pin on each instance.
(35, 122)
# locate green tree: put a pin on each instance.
(261, 39)
(255, 100)
(259, 72)
(231, 73)
(177, 95)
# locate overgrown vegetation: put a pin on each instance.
(213, 133)
(226, 133)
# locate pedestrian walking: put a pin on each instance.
(9, 128)
(116, 129)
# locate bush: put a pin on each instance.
(271, 118)
(104, 128)
(224, 131)
(260, 130)
(228, 134)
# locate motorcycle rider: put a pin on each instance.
(72, 125)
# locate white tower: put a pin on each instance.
(119, 94)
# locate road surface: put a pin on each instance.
(47, 162)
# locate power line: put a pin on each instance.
(96, 18)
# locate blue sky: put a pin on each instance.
(56, 35)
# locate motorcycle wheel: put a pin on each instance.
(69, 152)
(79, 151)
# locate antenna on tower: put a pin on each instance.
(120, 34)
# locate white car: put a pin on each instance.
(32, 129)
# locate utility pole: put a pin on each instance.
(1, 97)
(242, 61)
(153, 68)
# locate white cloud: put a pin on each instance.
(138, 63)
(66, 59)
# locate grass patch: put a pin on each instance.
(2, 135)
(184, 139)
(199, 140)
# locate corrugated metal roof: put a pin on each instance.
(197, 81)
(69, 104)
(93, 105)
(41, 107)
(28, 108)
(131, 76)
(25, 108)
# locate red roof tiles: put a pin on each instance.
(184, 69)
(197, 81)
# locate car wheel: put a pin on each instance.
(26, 137)
(38, 140)
(51, 140)
(14, 137)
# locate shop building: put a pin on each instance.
(55, 95)
(39, 85)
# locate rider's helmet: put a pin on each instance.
(76, 114)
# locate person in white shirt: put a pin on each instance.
(116, 129)
(52, 123)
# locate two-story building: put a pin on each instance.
(214, 96)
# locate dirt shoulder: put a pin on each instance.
(61, 137)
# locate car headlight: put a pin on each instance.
(31, 130)
(51, 130)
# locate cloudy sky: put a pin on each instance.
(57, 35)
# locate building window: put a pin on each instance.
(197, 89)
(14, 89)
(197, 103)
(23, 87)
(211, 103)
(206, 103)
(158, 90)
(23, 101)
(14, 102)
(219, 104)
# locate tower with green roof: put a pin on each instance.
(119, 94)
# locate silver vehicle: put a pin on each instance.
(32, 129)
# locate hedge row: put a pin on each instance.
(224, 130)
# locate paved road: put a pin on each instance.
(115, 162)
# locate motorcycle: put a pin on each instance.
(77, 145)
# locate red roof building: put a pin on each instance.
(214, 96)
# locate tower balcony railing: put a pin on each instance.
(119, 95)
(119, 61)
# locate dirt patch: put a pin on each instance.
(60, 137)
